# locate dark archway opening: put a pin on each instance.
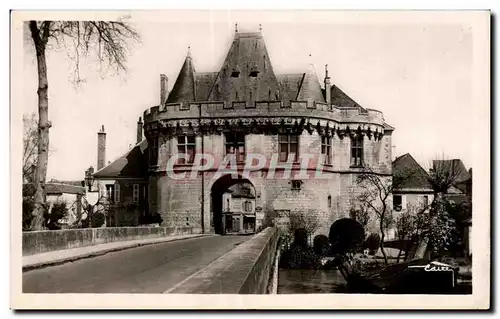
(221, 211)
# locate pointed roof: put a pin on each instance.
(247, 73)
(204, 82)
(132, 164)
(456, 165)
(289, 85)
(310, 88)
(185, 85)
(414, 176)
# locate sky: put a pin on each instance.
(418, 72)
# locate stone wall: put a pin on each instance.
(179, 201)
(36, 242)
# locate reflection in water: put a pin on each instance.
(302, 281)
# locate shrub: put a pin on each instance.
(321, 245)
(28, 205)
(58, 211)
(300, 237)
(346, 236)
(372, 242)
(97, 220)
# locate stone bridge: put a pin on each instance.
(149, 260)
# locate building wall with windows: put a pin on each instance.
(245, 108)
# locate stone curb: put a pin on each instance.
(59, 261)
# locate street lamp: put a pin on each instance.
(89, 177)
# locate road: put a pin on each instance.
(147, 269)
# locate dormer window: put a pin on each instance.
(254, 73)
(235, 74)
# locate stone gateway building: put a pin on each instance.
(242, 110)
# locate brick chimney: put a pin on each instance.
(328, 87)
(101, 148)
(163, 88)
(139, 130)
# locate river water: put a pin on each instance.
(301, 281)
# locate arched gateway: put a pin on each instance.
(245, 109)
(233, 205)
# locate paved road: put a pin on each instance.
(146, 269)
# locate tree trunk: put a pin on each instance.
(40, 41)
(382, 238)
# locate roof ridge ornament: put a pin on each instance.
(260, 27)
(189, 51)
(236, 27)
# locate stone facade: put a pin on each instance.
(247, 98)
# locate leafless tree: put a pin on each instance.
(106, 39)
(307, 219)
(376, 196)
(102, 206)
(30, 147)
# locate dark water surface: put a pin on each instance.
(301, 281)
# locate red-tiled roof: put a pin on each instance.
(414, 177)
(133, 164)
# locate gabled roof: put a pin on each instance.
(341, 99)
(455, 165)
(185, 85)
(56, 189)
(413, 176)
(243, 190)
(247, 73)
(133, 164)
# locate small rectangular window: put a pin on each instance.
(288, 146)
(326, 150)
(153, 151)
(186, 144)
(357, 150)
(235, 144)
(426, 200)
(397, 202)
(296, 184)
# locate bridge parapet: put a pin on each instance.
(36, 242)
(247, 269)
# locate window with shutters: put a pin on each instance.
(117, 193)
(110, 192)
(135, 193)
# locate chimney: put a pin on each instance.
(163, 88)
(328, 87)
(101, 148)
(139, 130)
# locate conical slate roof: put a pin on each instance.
(246, 74)
(185, 86)
(310, 88)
